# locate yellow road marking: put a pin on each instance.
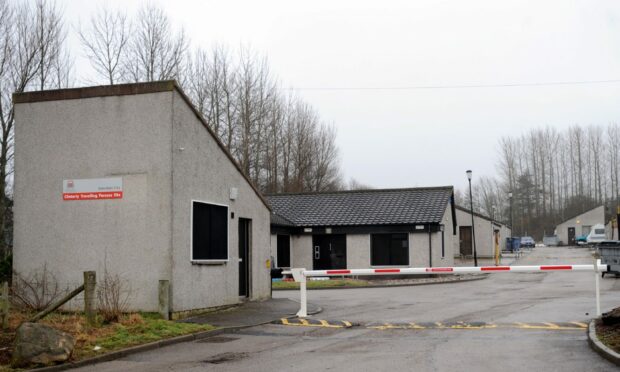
(437, 325)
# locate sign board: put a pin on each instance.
(92, 189)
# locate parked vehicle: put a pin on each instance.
(596, 235)
(528, 242)
(581, 240)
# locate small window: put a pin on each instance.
(389, 250)
(284, 251)
(209, 232)
(599, 231)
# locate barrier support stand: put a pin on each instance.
(298, 275)
(597, 286)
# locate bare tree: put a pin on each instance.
(106, 43)
(32, 56)
(154, 51)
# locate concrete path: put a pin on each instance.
(253, 313)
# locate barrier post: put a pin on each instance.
(597, 286)
(298, 275)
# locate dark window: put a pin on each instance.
(389, 249)
(284, 251)
(209, 231)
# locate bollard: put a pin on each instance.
(597, 287)
(164, 299)
(90, 283)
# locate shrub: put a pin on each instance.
(35, 291)
(113, 296)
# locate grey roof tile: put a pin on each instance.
(364, 207)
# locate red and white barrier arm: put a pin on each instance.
(300, 275)
(454, 270)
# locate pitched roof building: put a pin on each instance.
(364, 228)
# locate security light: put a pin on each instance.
(468, 175)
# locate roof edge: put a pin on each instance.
(361, 191)
(95, 91)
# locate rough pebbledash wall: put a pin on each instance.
(134, 132)
(114, 136)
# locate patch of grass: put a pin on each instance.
(609, 335)
(332, 283)
(132, 329)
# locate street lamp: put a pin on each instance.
(473, 227)
(510, 198)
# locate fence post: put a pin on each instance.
(4, 308)
(90, 283)
(164, 299)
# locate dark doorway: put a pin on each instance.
(571, 236)
(329, 252)
(245, 239)
(284, 251)
(465, 240)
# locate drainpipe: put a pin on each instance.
(430, 247)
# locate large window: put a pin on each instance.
(209, 232)
(284, 251)
(389, 249)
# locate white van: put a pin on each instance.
(597, 234)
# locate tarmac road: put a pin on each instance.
(510, 322)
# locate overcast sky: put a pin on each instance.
(420, 137)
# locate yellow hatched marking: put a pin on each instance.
(548, 326)
(579, 324)
(303, 322)
(465, 326)
(348, 324)
(415, 326)
(439, 324)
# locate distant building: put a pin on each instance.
(130, 180)
(413, 227)
(579, 225)
(488, 232)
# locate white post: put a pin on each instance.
(597, 262)
(298, 275)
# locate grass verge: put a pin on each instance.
(332, 283)
(133, 329)
(609, 335)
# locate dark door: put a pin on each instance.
(465, 240)
(329, 252)
(571, 236)
(245, 238)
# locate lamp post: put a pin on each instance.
(473, 227)
(510, 199)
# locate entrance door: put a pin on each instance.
(329, 252)
(465, 240)
(245, 239)
(571, 236)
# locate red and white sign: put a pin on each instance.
(92, 189)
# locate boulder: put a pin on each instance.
(38, 344)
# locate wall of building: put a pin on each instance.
(117, 136)
(202, 171)
(485, 245)
(301, 251)
(358, 251)
(589, 218)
